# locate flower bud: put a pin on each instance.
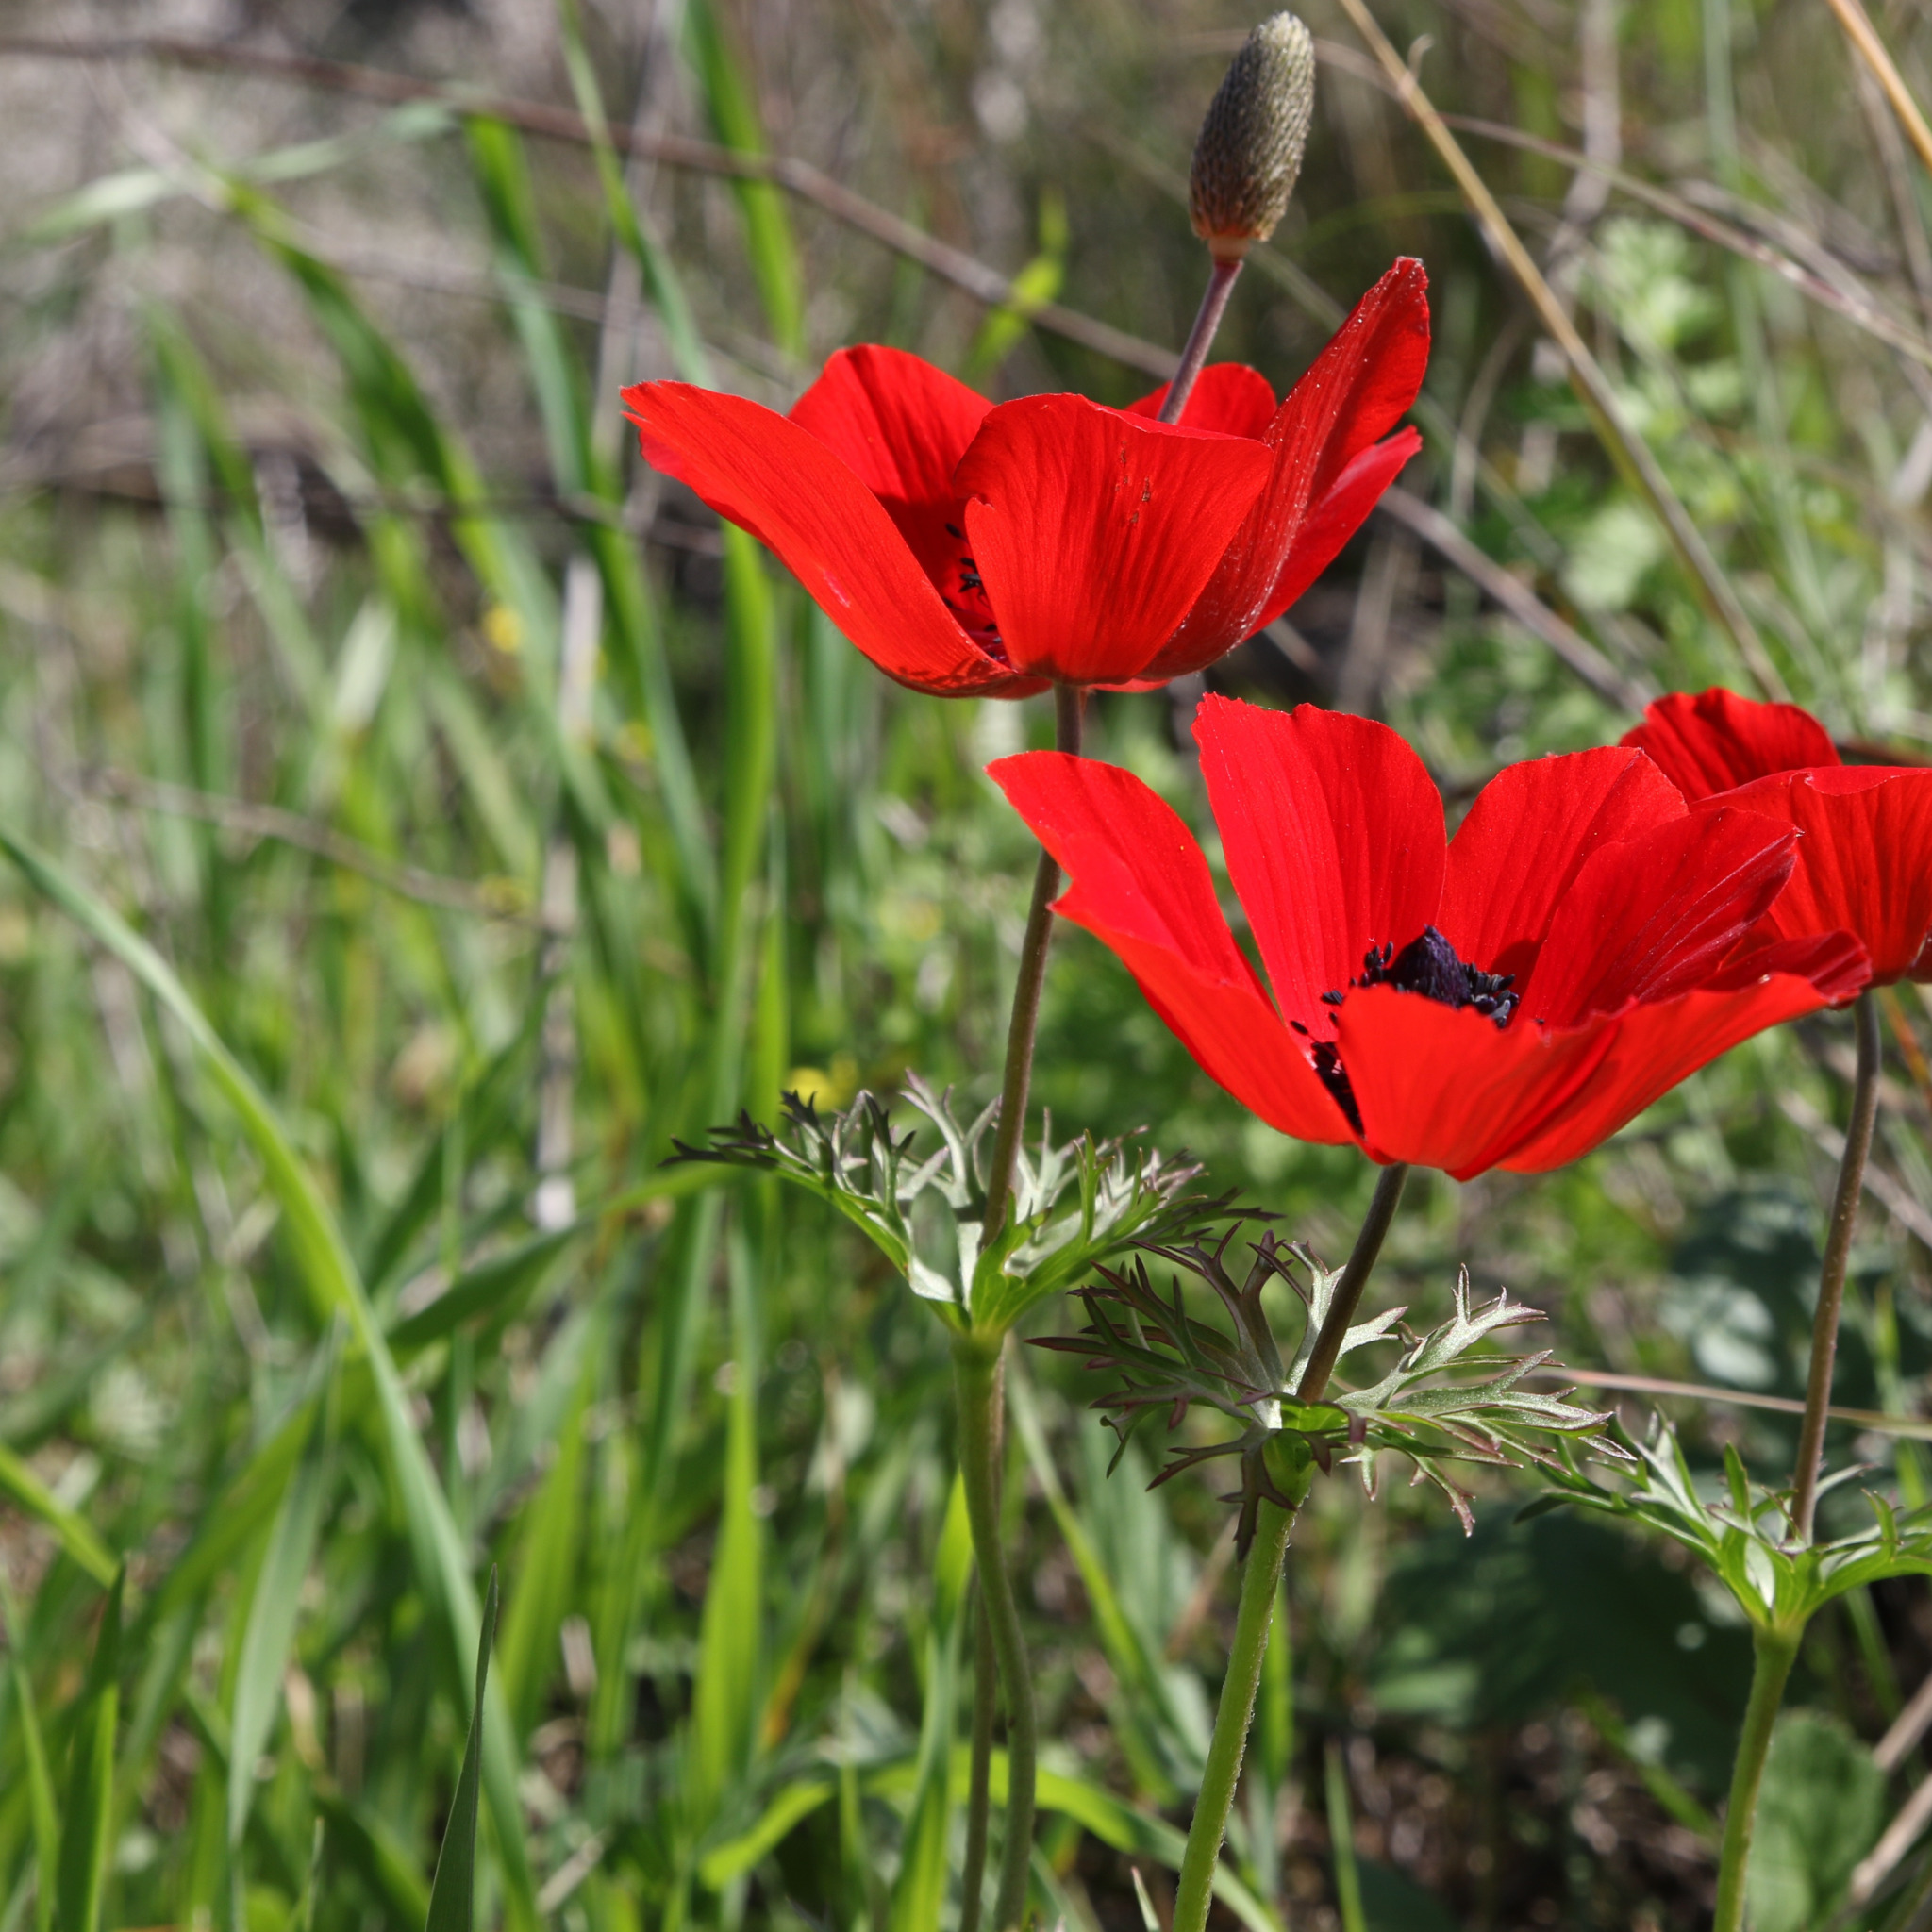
(1250, 147)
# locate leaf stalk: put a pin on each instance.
(1773, 1652)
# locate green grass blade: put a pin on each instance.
(453, 1891)
(39, 1778)
(271, 1627)
(132, 190)
(920, 1893)
(633, 613)
(334, 1286)
(1348, 1882)
(494, 1289)
(360, 1838)
(547, 1565)
(502, 174)
(725, 1700)
(733, 116)
(83, 1865)
(661, 278)
(186, 380)
(76, 1534)
(1037, 283)
(790, 1805)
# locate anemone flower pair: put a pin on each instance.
(1864, 861)
(1505, 999)
(979, 551)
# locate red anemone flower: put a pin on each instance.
(1865, 861)
(1509, 998)
(980, 551)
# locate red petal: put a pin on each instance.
(1094, 530)
(1335, 517)
(1326, 474)
(1653, 1048)
(1652, 916)
(784, 486)
(1445, 1086)
(1526, 836)
(1836, 963)
(1334, 839)
(1139, 884)
(1227, 396)
(1716, 740)
(1864, 862)
(900, 425)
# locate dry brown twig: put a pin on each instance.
(975, 277)
(1632, 456)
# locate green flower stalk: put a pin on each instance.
(1292, 1422)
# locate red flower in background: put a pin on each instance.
(1864, 863)
(980, 551)
(1509, 998)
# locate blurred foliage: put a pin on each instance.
(482, 818)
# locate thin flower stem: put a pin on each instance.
(979, 1785)
(1069, 704)
(1831, 1279)
(1772, 1653)
(1200, 337)
(1354, 1278)
(999, 1651)
(976, 1385)
(1262, 1583)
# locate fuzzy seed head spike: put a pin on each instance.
(1250, 147)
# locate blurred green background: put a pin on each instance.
(505, 818)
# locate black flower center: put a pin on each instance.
(1428, 965)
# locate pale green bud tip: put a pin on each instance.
(1250, 147)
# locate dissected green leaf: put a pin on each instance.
(1073, 1207)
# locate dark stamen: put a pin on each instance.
(1429, 965)
(1333, 1075)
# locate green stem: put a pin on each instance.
(1772, 1653)
(976, 1390)
(1260, 1584)
(986, 1684)
(1354, 1278)
(1069, 703)
(1831, 1277)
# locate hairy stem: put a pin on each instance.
(976, 1386)
(1772, 1653)
(1831, 1278)
(1069, 704)
(1261, 1582)
(1260, 1585)
(1200, 337)
(1354, 1278)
